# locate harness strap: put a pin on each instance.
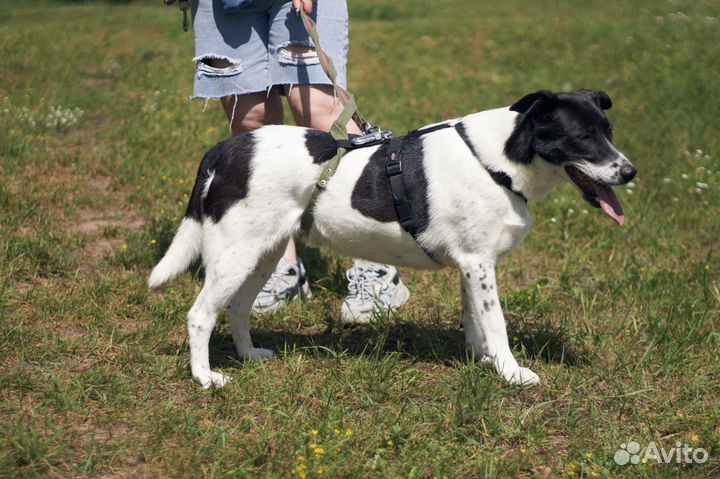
(394, 171)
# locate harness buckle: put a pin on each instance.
(393, 168)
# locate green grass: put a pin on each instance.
(622, 324)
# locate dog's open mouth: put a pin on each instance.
(598, 195)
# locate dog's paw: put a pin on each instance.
(213, 379)
(523, 377)
(258, 353)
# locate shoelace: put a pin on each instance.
(277, 283)
(361, 282)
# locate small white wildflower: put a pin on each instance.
(553, 220)
(675, 199)
(706, 157)
(629, 191)
(666, 180)
(700, 169)
(679, 16)
(631, 184)
(585, 212)
(698, 152)
(698, 191)
(570, 211)
(701, 185)
(684, 176)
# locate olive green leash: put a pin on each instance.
(339, 128)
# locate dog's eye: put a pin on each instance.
(585, 137)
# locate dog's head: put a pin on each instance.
(571, 130)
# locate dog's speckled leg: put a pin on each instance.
(201, 321)
(484, 323)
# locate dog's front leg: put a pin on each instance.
(484, 323)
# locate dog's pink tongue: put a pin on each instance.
(609, 203)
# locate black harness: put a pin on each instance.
(394, 171)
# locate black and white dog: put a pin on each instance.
(468, 188)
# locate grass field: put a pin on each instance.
(99, 146)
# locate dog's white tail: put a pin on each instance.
(183, 250)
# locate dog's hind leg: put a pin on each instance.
(484, 323)
(238, 312)
(201, 321)
(225, 275)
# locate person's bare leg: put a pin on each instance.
(252, 110)
(315, 106)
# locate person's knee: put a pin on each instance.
(314, 106)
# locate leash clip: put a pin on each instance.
(185, 6)
(374, 135)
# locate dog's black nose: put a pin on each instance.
(628, 172)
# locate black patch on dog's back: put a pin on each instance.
(372, 196)
(194, 208)
(321, 145)
(230, 161)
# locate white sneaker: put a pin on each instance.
(287, 283)
(372, 288)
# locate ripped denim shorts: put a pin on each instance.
(263, 45)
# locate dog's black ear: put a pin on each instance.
(535, 103)
(599, 97)
(519, 147)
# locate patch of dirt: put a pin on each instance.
(103, 228)
(91, 222)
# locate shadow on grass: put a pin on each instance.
(417, 342)
(414, 341)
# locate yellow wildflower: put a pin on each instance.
(695, 438)
(348, 432)
(314, 432)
